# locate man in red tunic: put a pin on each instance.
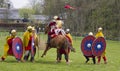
(8, 45)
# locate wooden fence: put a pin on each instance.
(18, 26)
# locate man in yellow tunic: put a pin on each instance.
(100, 34)
(27, 41)
(69, 35)
(8, 45)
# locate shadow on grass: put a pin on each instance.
(36, 62)
(10, 61)
(46, 62)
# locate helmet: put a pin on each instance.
(55, 17)
(13, 31)
(67, 30)
(29, 27)
(100, 29)
(90, 33)
(33, 28)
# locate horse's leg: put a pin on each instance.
(67, 55)
(45, 51)
(58, 55)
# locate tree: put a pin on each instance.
(36, 5)
(2, 3)
(5, 4)
(89, 15)
(26, 12)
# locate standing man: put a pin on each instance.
(100, 34)
(92, 56)
(27, 41)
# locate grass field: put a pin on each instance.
(48, 63)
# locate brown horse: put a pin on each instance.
(60, 41)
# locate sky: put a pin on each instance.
(19, 3)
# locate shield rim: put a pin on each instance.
(94, 44)
(32, 47)
(83, 40)
(15, 53)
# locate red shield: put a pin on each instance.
(17, 47)
(86, 45)
(99, 46)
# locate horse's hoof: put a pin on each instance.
(23, 61)
(42, 56)
(68, 63)
(105, 62)
(58, 61)
(98, 63)
(73, 50)
(1, 60)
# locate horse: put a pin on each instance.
(58, 42)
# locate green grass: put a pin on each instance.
(48, 63)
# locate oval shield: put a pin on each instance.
(17, 47)
(99, 46)
(32, 46)
(86, 45)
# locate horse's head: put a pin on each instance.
(47, 29)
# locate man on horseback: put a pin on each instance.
(52, 26)
(57, 38)
(55, 28)
(59, 26)
(50, 31)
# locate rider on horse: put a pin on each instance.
(59, 25)
(55, 28)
